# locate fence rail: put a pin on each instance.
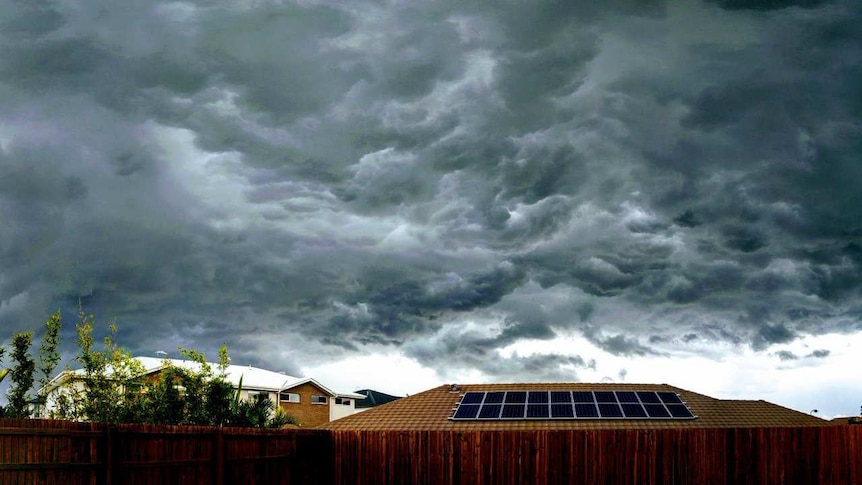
(47, 452)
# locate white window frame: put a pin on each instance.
(318, 399)
(292, 397)
(344, 401)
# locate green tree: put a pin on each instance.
(219, 394)
(106, 376)
(21, 375)
(49, 358)
(111, 386)
(169, 405)
(254, 412)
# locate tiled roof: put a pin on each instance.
(430, 410)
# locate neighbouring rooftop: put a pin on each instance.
(435, 408)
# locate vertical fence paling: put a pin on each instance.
(44, 451)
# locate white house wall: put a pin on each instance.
(337, 411)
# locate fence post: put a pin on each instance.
(109, 454)
(219, 457)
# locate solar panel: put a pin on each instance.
(648, 397)
(473, 398)
(562, 411)
(634, 410)
(669, 398)
(656, 411)
(610, 410)
(538, 397)
(490, 411)
(516, 397)
(679, 411)
(535, 411)
(586, 410)
(516, 404)
(513, 411)
(467, 411)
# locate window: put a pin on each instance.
(319, 399)
(343, 401)
(255, 396)
(288, 397)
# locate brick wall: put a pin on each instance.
(309, 415)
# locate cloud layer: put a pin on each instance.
(306, 179)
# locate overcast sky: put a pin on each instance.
(399, 194)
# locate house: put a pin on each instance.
(312, 403)
(373, 399)
(845, 420)
(564, 433)
(566, 406)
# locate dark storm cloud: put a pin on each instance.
(816, 354)
(819, 354)
(786, 355)
(442, 179)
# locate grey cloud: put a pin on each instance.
(767, 4)
(469, 349)
(769, 335)
(247, 48)
(382, 174)
(819, 354)
(618, 344)
(816, 354)
(786, 355)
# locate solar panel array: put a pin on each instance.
(521, 405)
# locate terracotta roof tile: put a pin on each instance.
(431, 409)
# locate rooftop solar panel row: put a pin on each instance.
(518, 405)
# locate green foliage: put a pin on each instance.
(223, 361)
(107, 376)
(49, 358)
(217, 402)
(254, 412)
(112, 386)
(21, 374)
(281, 418)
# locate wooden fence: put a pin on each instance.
(54, 452)
(813, 455)
(49, 452)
